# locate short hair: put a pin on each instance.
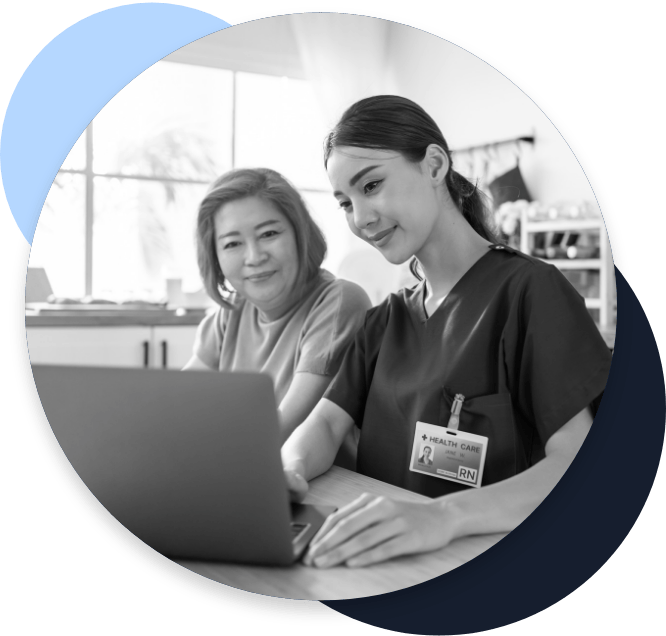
(390, 122)
(272, 187)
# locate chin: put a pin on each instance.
(396, 258)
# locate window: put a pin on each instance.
(119, 219)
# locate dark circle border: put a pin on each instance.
(573, 532)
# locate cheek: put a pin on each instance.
(226, 262)
(289, 251)
(352, 226)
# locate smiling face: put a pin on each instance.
(390, 202)
(257, 252)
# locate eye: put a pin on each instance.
(371, 186)
(345, 205)
(230, 245)
(269, 234)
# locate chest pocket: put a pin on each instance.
(490, 416)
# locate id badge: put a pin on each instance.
(449, 454)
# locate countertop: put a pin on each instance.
(44, 315)
(110, 316)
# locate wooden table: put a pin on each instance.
(338, 487)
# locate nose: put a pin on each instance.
(364, 215)
(254, 253)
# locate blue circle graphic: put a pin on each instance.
(69, 82)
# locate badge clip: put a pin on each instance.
(456, 407)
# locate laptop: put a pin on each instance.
(188, 461)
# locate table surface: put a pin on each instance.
(339, 487)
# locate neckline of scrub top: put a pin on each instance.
(418, 298)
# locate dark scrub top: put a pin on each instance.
(513, 336)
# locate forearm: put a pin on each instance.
(312, 447)
(303, 395)
(503, 506)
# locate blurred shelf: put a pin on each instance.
(601, 308)
(560, 225)
(574, 263)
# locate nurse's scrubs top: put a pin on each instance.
(513, 336)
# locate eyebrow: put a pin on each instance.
(354, 180)
(256, 227)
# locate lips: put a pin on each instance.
(382, 238)
(260, 277)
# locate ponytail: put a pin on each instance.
(472, 203)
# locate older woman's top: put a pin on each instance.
(311, 337)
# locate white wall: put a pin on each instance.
(263, 46)
(473, 103)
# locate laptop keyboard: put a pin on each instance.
(297, 529)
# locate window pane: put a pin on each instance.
(173, 120)
(331, 220)
(59, 242)
(143, 233)
(76, 159)
(278, 126)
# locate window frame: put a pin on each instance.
(90, 175)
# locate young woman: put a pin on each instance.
(491, 341)
(285, 316)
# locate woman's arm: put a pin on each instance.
(373, 529)
(305, 391)
(311, 449)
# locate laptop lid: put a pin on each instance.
(187, 461)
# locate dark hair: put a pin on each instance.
(270, 186)
(389, 122)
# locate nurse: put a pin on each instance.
(280, 313)
(491, 343)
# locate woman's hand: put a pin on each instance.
(296, 483)
(373, 529)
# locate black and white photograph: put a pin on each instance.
(426, 455)
(276, 251)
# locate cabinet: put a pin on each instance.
(172, 346)
(107, 346)
(593, 277)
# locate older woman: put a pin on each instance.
(260, 256)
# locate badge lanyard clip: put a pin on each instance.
(456, 407)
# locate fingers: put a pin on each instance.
(338, 516)
(397, 546)
(297, 485)
(367, 540)
(352, 520)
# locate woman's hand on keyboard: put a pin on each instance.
(296, 483)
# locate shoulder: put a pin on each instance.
(540, 295)
(221, 318)
(396, 306)
(528, 274)
(349, 296)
